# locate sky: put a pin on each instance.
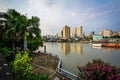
(93, 15)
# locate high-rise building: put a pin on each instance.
(77, 32)
(107, 33)
(116, 34)
(74, 32)
(65, 32)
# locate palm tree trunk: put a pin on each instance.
(13, 49)
(25, 41)
(25, 45)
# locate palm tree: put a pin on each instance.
(12, 28)
(33, 28)
(29, 28)
(18, 28)
(2, 27)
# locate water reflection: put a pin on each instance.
(80, 54)
(106, 49)
(77, 48)
(65, 48)
(109, 49)
(96, 47)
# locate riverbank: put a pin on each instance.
(47, 64)
(82, 42)
(74, 54)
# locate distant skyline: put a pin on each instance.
(93, 15)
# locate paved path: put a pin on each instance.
(5, 73)
(46, 63)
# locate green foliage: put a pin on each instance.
(34, 43)
(17, 28)
(6, 52)
(37, 77)
(21, 65)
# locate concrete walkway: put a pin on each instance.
(5, 72)
(47, 64)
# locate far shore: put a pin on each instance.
(82, 42)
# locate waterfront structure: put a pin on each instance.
(65, 32)
(101, 33)
(62, 33)
(97, 37)
(77, 32)
(106, 33)
(90, 35)
(117, 34)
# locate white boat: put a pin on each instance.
(97, 45)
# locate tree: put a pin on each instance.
(18, 29)
(12, 27)
(2, 28)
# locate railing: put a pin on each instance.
(62, 71)
(67, 74)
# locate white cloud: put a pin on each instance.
(50, 15)
(3, 8)
(53, 15)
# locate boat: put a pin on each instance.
(97, 45)
(115, 45)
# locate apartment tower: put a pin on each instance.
(77, 32)
(65, 32)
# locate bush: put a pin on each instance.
(6, 52)
(21, 65)
(34, 43)
(99, 70)
(37, 77)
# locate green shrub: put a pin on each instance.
(37, 77)
(21, 65)
(34, 43)
(6, 52)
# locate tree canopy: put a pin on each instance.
(16, 28)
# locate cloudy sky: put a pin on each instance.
(93, 15)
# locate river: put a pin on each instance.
(76, 54)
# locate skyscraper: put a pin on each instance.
(74, 32)
(65, 32)
(77, 32)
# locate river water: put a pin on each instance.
(76, 54)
